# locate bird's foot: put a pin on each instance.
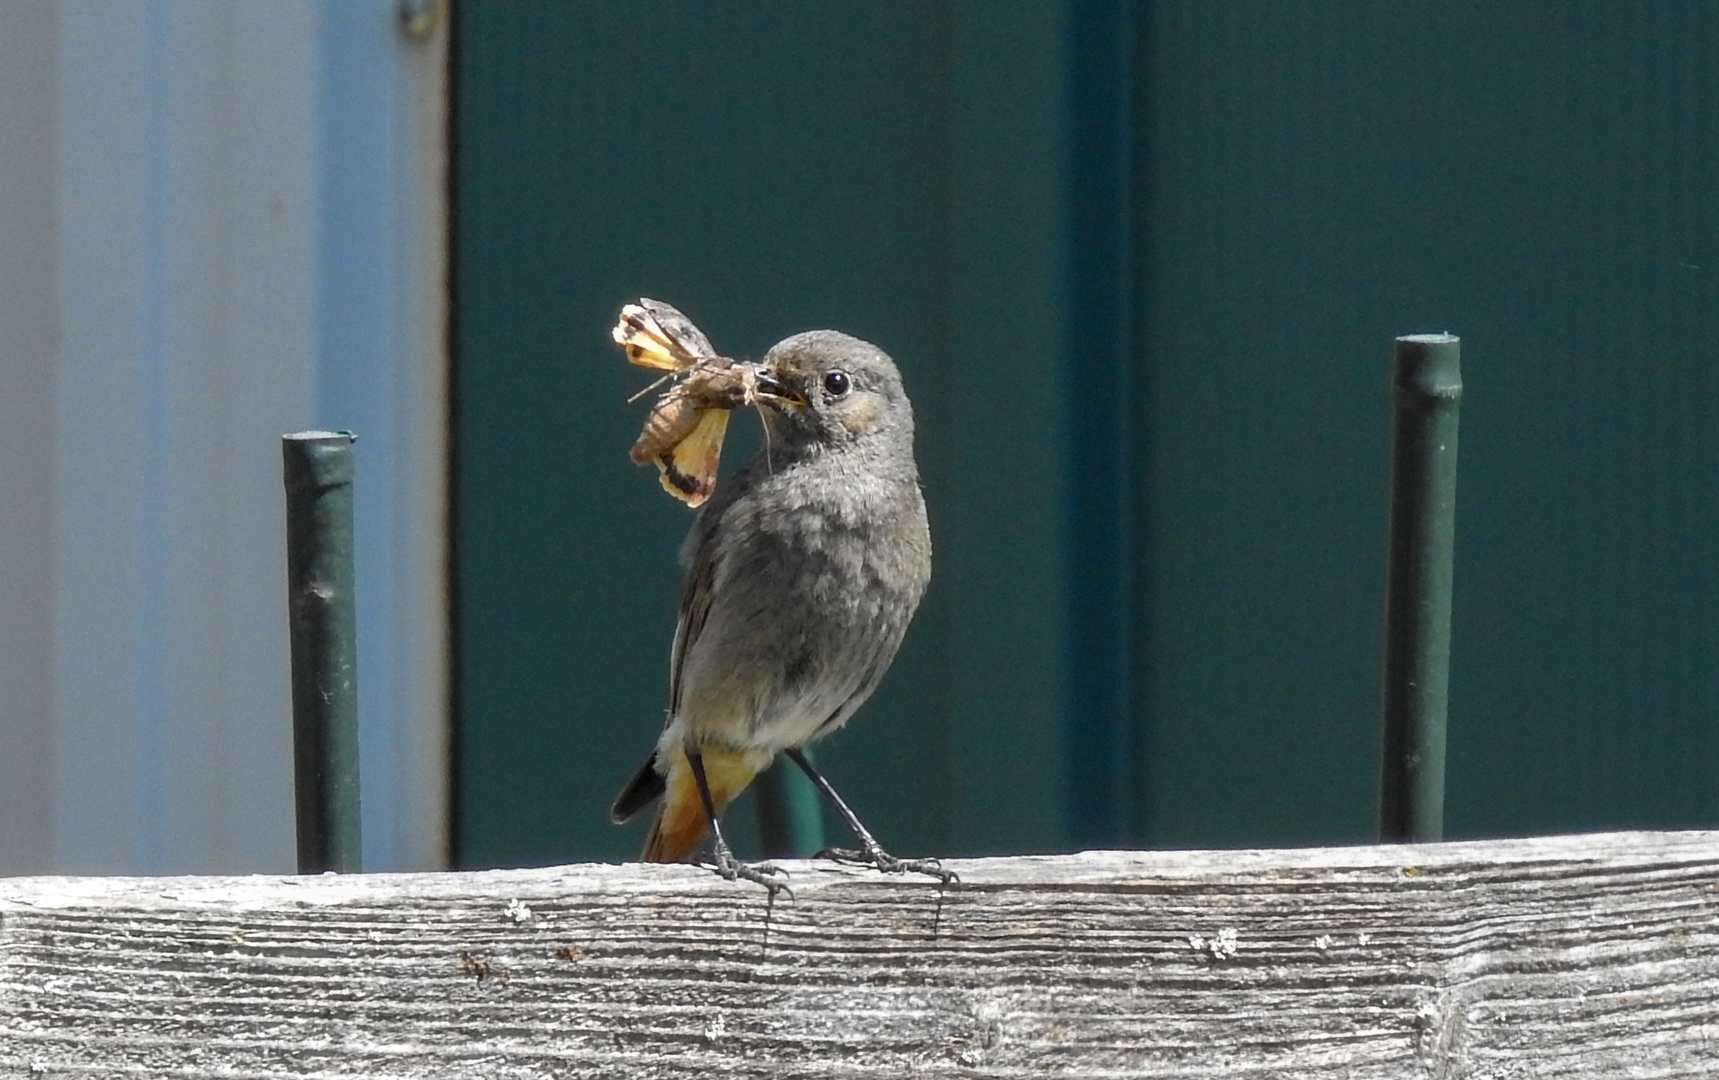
(872, 855)
(772, 877)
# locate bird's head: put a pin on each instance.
(825, 388)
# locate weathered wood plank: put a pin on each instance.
(1574, 956)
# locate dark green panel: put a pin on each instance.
(1585, 680)
(1537, 177)
(877, 167)
(1192, 258)
(1003, 474)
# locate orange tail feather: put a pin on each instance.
(680, 825)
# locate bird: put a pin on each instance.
(800, 577)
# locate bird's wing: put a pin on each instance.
(650, 781)
(694, 612)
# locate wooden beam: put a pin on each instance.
(1564, 956)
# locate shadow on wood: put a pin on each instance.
(1568, 956)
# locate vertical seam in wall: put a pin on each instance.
(451, 554)
(1100, 461)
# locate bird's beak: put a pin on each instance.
(774, 391)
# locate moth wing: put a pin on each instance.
(689, 467)
(680, 329)
(647, 343)
(657, 335)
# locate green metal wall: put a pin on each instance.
(1539, 178)
(1140, 263)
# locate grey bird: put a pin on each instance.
(802, 573)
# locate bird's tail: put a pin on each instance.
(681, 825)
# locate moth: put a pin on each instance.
(683, 433)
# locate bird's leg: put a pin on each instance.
(870, 852)
(727, 866)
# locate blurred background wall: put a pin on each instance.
(1141, 262)
(220, 220)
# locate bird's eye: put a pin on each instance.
(837, 384)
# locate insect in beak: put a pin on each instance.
(776, 392)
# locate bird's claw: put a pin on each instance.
(882, 860)
(772, 877)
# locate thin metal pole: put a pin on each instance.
(790, 816)
(318, 466)
(1426, 396)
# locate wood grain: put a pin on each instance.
(1574, 956)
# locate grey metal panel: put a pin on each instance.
(28, 325)
(163, 324)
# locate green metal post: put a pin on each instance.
(324, 648)
(1426, 396)
(790, 814)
